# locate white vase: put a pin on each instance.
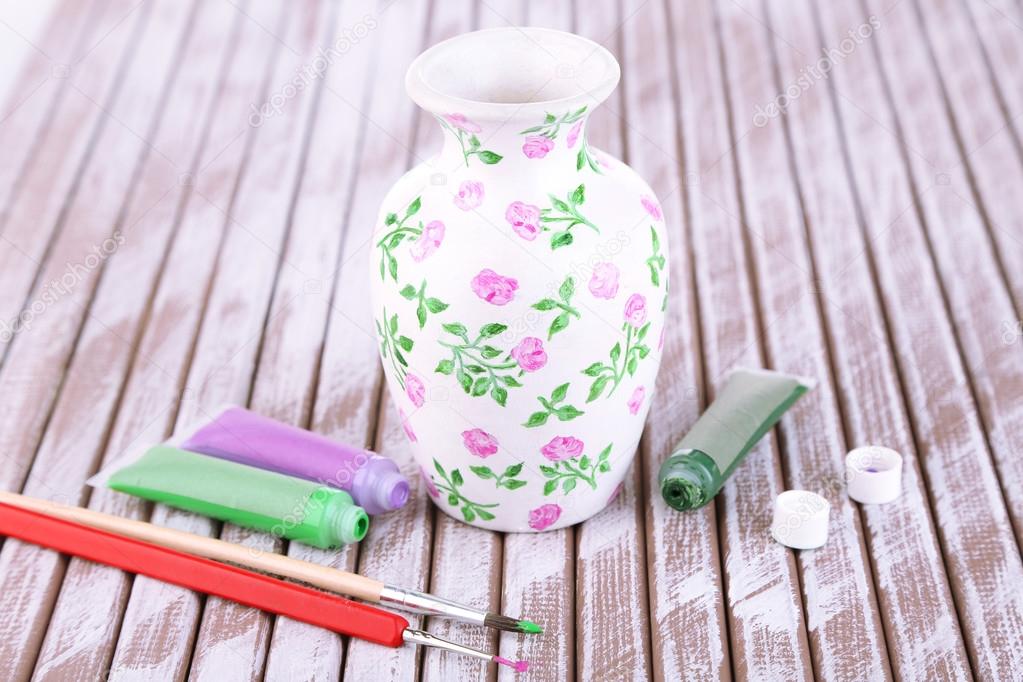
(519, 283)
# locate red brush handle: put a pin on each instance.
(206, 576)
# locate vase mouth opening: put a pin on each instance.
(512, 72)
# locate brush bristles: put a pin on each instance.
(494, 620)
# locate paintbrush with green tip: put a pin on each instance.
(324, 577)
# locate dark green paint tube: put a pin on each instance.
(750, 404)
(287, 507)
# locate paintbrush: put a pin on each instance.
(330, 579)
(228, 582)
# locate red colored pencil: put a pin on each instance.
(222, 580)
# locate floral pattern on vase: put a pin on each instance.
(492, 290)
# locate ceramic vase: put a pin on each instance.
(519, 282)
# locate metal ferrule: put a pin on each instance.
(429, 605)
(426, 639)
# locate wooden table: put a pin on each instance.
(168, 246)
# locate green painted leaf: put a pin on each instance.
(481, 386)
(604, 467)
(435, 305)
(400, 358)
(550, 118)
(391, 219)
(392, 267)
(489, 158)
(395, 240)
(421, 315)
(476, 369)
(393, 324)
(514, 484)
(493, 329)
(550, 486)
(482, 472)
(559, 393)
(499, 394)
(597, 388)
(567, 413)
(456, 478)
(548, 471)
(465, 380)
(580, 159)
(468, 514)
(406, 343)
(616, 352)
(409, 292)
(561, 239)
(654, 278)
(643, 351)
(485, 515)
(513, 470)
(578, 195)
(536, 419)
(452, 499)
(643, 330)
(474, 142)
(632, 365)
(511, 382)
(439, 468)
(445, 367)
(606, 452)
(569, 485)
(413, 208)
(560, 205)
(534, 129)
(584, 463)
(655, 239)
(567, 289)
(594, 370)
(489, 352)
(545, 304)
(455, 328)
(559, 324)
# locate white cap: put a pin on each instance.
(800, 519)
(873, 474)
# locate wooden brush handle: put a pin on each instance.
(323, 577)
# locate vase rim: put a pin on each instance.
(512, 72)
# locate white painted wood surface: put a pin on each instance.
(795, 244)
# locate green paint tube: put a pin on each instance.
(287, 507)
(751, 403)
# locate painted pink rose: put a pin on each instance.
(430, 487)
(429, 240)
(530, 354)
(470, 195)
(537, 146)
(652, 207)
(573, 134)
(544, 516)
(415, 390)
(635, 310)
(462, 123)
(636, 401)
(604, 282)
(562, 447)
(524, 219)
(480, 443)
(407, 426)
(494, 288)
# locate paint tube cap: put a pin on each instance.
(800, 519)
(873, 474)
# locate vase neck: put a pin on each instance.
(554, 142)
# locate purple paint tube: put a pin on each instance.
(241, 436)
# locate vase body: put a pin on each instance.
(518, 284)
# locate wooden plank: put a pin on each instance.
(160, 622)
(232, 640)
(768, 636)
(995, 172)
(466, 561)
(846, 636)
(921, 628)
(981, 554)
(30, 107)
(37, 215)
(612, 606)
(88, 616)
(689, 637)
(293, 353)
(89, 397)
